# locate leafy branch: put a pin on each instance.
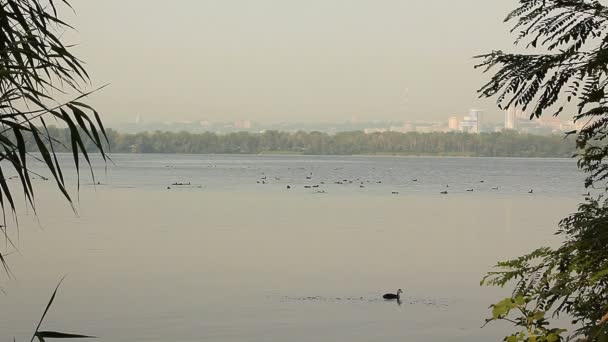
(571, 74)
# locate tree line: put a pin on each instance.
(497, 144)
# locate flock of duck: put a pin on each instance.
(359, 182)
(362, 184)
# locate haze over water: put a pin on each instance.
(229, 259)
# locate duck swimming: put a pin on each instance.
(392, 295)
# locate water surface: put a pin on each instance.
(229, 258)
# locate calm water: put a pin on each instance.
(229, 259)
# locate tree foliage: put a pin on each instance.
(567, 72)
(498, 144)
(36, 67)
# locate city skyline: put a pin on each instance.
(474, 121)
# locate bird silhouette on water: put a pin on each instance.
(391, 296)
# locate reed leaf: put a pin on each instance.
(35, 64)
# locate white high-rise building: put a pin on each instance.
(472, 123)
(511, 118)
(477, 116)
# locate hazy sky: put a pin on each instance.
(288, 60)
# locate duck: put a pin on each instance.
(531, 191)
(444, 192)
(471, 190)
(288, 186)
(393, 295)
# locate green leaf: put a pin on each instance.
(520, 300)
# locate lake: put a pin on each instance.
(234, 255)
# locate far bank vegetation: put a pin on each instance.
(497, 144)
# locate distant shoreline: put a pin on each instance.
(318, 155)
(379, 154)
(356, 143)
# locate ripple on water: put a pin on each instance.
(411, 300)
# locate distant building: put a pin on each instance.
(551, 123)
(472, 123)
(511, 118)
(242, 124)
(374, 130)
(467, 125)
(453, 123)
(477, 116)
(406, 127)
(572, 125)
(424, 129)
